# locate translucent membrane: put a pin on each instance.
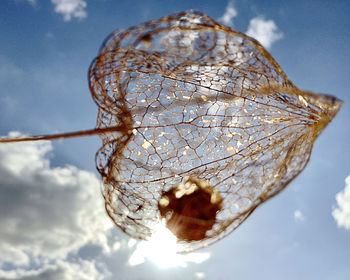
(189, 107)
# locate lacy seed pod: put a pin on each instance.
(203, 106)
(199, 126)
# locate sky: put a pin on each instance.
(52, 217)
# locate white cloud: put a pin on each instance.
(299, 216)
(46, 214)
(341, 213)
(70, 8)
(265, 31)
(229, 14)
(82, 270)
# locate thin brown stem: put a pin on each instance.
(64, 135)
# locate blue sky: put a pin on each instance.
(53, 223)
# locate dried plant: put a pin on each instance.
(199, 126)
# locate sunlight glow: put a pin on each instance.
(161, 250)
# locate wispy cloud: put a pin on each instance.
(46, 215)
(229, 15)
(341, 213)
(80, 269)
(299, 216)
(265, 31)
(70, 8)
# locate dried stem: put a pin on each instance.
(64, 135)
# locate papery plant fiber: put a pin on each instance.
(199, 102)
